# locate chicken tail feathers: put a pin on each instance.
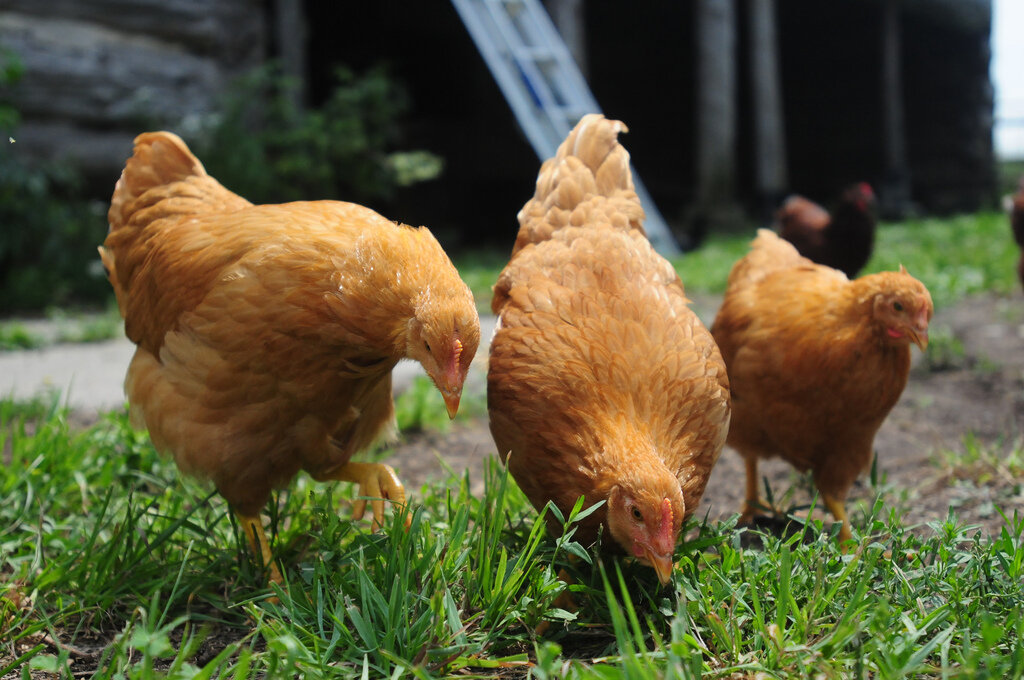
(587, 183)
(162, 179)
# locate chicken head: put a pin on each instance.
(444, 341)
(904, 310)
(645, 522)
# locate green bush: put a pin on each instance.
(260, 145)
(269, 150)
(48, 232)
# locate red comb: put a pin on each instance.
(664, 539)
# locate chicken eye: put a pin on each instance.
(898, 306)
(427, 345)
(637, 515)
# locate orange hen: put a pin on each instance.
(816, 362)
(267, 333)
(602, 382)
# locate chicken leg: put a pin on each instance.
(377, 482)
(253, 527)
(751, 502)
(564, 599)
(838, 510)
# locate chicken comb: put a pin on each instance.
(665, 538)
(453, 367)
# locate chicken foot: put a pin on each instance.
(752, 501)
(564, 599)
(838, 510)
(253, 527)
(377, 483)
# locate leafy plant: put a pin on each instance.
(14, 335)
(11, 71)
(266, 148)
(421, 407)
(945, 351)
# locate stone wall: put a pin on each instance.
(98, 72)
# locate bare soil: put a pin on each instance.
(970, 385)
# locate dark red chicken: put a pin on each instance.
(1017, 223)
(843, 239)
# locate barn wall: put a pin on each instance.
(99, 72)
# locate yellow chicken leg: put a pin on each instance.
(376, 481)
(752, 502)
(838, 510)
(253, 527)
(564, 599)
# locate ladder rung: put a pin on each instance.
(534, 53)
(541, 82)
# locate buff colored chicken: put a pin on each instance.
(267, 333)
(816, 362)
(602, 382)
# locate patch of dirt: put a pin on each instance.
(974, 391)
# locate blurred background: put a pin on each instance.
(731, 105)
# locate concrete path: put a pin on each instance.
(90, 376)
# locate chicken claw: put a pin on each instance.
(377, 483)
(253, 528)
(563, 601)
(752, 502)
(838, 510)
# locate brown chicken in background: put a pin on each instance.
(816, 362)
(1016, 209)
(602, 381)
(842, 240)
(267, 333)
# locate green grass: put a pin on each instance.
(953, 257)
(421, 407)
(137, 571)
(113, 562)
(66, 326)
(87, 327)
(14, 336)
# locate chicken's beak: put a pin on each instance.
(662, 565)
(919, 338)
(451, 402)
(918, 330)
(451, 387)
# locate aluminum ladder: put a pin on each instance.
(542, 84)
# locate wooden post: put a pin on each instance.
(290, 32)
(716, 117)
(894, 192)
(568, 17)
(770, 169)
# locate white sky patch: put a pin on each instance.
(1007, 71)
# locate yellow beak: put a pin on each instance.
(919, 338)
(451, 402)
(662, 565)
